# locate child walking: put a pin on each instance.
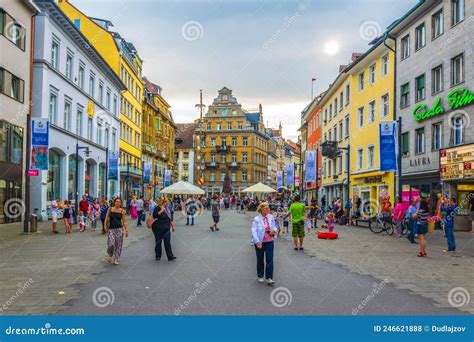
(331, 221)
(80, 221)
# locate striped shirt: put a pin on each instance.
(423, 216)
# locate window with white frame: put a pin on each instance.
(245, 141)
(89, 129)
(106, 136)
(234, 141)
(437, 24)
(234, 158)
(405, 50)
(340, 130)
(420, 36)
(212, 176)
(385, 65)
(437, 80)
(341, 100)
(67, 115)
(92, 85)
(420, 86)
(371, 113)
(233, 177)
(245, 158)
(229, 125)
(457, 11)
(361, 79)
(79, 118)
(213, 141)
(348, 93)
(69, 65)
(53, 108)
(405, 144)
(55, 53)
(437, 136)
(457, 69)
(385, 105)
(372, 72)
(223, 158)
(213, 157)
(244, 175)
(370, 156)
(360, 117)
(107, 99)
(420, 140)
(360, 157)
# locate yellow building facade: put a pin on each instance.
(372, 83)
(233, 144)
(336, 106)
(123, 58)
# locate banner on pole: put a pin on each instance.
(310, 175)
(147, 172)
(290, 175)
(39, 145)
(279, 180)
(167, 178)
(388, 146)
(113, 165)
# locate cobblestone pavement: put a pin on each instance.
(388, 257)
(38, 270)
(44, 273)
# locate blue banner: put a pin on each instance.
(290, 175)
(279, 180)
(113, 165)
(388, 146)
(310, 175)
(146, 172)
(167, 178)
(236, 328)
(39, 145)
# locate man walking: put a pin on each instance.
(140, 204)
(215, 210)
(54, 214)
(451, 210)
(296, 211)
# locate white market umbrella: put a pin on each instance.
(183, 188)
(259, 187)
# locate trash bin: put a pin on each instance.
(33, 223)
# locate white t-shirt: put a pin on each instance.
(140, 205)
(54, 211)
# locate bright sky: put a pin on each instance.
(265, 51)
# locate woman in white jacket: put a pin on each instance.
(263, 231)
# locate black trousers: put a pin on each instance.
(162, 234)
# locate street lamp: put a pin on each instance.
(87, 152)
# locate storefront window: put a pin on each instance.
(87, 177)
(54, 173)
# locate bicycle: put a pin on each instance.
(382, 224)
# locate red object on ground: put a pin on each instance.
(322, 235)
(332, 236)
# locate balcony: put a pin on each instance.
(234, 165)
(223, 149)
(162, 155)
(212, 164)
(149, 149)
(130, 170)
(329, 149)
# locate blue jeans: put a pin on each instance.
(449, 231)
(140, 213)
(192, 220)
(411, 235)
(265, 260)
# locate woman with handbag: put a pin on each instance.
(263, 231)
(162, 226)
(422, 226)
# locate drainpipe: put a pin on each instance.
(399, 156)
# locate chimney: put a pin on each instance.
(342, 67)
